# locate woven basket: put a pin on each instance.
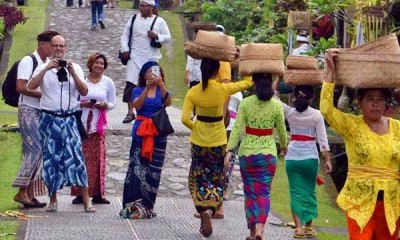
(367, 70)
(387, 44)
(261, 58)
(299, 20)
(301, 62)
(212, 45)
(208, 26)
(303, 77)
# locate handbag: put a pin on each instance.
(162, 123)
(124, 61)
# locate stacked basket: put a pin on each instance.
(302, 70)
(213, 45)
(372, 65)
(261, 58)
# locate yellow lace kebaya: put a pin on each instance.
(374, 163)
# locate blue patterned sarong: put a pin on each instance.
(63, 162)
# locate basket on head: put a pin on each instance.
(303, 77)
(386, 44)
(261, 58)
(299, 20)
(301, 62)
(367, 70)
(212, 45)
(207, 26)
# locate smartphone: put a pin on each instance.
(155, 70)
(93, 100)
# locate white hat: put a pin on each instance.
(220, 28)
(300, 38)
(150, 2)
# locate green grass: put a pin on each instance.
(327, 236)
(24, 41)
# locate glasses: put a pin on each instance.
(57, 46)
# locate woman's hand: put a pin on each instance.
(227, 160)
(157, 80)
(100, 105)
(330, 65)
(283, 152)
(328, 166)
(87, 104)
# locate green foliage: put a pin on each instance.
(321, 46)
(2, 28)
(327, 6)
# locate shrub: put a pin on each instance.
(2, 28)
(11, 15)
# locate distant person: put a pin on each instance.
(145, 46)
(302, 45)
(61, 82)
(97, 7)
(95, 107)
(193, 72)
(147, 153)
(302, 158)
(29, 179)
(258, 115)
(370, 196)
(208, 140)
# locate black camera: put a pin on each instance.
(93, 101)
(62, 75)
(155, 44)
(62, 63)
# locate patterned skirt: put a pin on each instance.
(257, 172)
(30, 173)
(143, 176)
(302, 176)
(94, 151)
(63, 163)
(206, 177)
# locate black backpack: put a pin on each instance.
(9, 88)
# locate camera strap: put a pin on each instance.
(130, 33)
(152, 25)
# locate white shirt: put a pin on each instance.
(103, 91)
(141, 51)
(302, 49)
(25, 68)
(234, 102)
(57, 96)
(193, 68)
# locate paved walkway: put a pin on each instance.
(174, 206)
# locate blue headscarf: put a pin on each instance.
(146, 67)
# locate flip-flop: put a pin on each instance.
(52, 207)
(25, 202)
(36, 203)
(207, 229)
(90, 209)
(128, 118)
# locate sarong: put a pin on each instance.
(143, 176)
(206, 177)
(302, 176)
(30, 173)
(63, 162)
(257, 172)
(94, 151)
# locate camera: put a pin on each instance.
(93, 101)
(62, 63)
(62, 75)
(155, 44)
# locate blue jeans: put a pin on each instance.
(97, 7)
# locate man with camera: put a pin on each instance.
(61, 83)
(29, 178)
(146, 33)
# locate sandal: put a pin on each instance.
(37, 204)
(129, 118)
(310, 232)
(26, 202)
(206, 224)
(298, 233)
(52, 207)
(90, 209)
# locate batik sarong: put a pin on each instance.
(257, 172)
(206, 177)
(30, 173)
(143, 176)
(63, 162)
(302, 176)
(94, 151)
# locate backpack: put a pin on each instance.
(9, 88)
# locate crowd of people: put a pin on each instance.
(63, 117)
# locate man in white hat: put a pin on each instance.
(302, 45)
(145, 45)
